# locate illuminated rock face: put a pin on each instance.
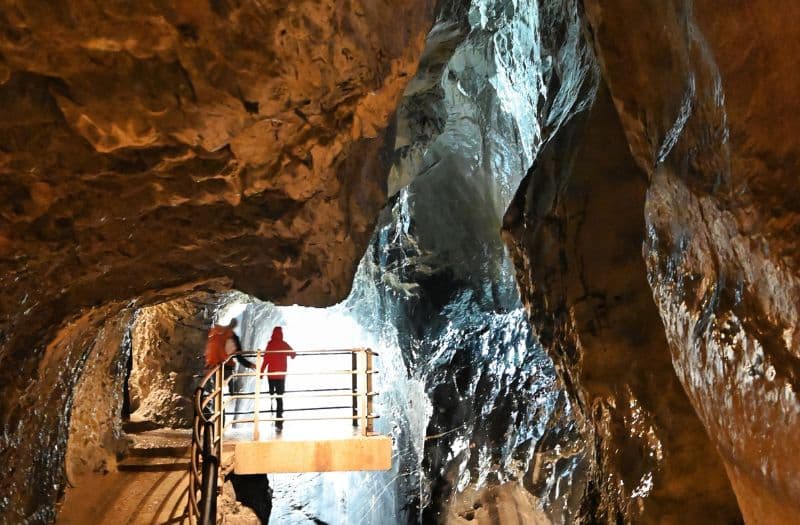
(707, 105)
(467, 133)
(146, 147)
(168, 340)
(585, 285)
(704, 109)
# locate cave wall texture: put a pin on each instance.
(703, 96)
(168, 339)
(147, 146)
(707, 107)
(149, 151)
(577, 246)
(95, 429)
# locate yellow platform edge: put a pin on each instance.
(356, 453)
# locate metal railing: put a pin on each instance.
(210, 401)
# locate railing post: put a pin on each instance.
(354, 389)
(195, 457)
(219, 408)
(257, 394)
(208, 506)
(368, 394)
(362, 390)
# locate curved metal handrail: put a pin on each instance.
(204, 510)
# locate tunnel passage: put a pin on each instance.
(147, 150)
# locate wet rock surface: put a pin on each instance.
(715, 138)
(95, 432)
(577, 244)
(246, 500)
(437, 282)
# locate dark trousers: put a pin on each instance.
(278, 387)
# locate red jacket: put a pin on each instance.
(276, 361)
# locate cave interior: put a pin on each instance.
(565, 227)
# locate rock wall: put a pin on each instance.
(151, 146)
(706, 99)
(34, 441)
(151, 150)
(168, 342)
(576, 230)
(438, 282)
(95, 432)
(702, 110)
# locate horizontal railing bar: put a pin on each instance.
(349, 407)
(304, 373)
(264, 392)
(332, 418)
(252, 395)
(318, 351)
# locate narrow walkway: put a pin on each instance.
(150, 487)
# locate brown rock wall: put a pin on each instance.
(95, 432)
(168, 340)
(705, 95)
(575, 230)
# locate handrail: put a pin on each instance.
(322, 351)
(209, 425)
(297, 394)
(304, 373)
(208, 499)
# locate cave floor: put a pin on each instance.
(149, 487)
(130, 498)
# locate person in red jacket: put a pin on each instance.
(275, 356)
(221, 344)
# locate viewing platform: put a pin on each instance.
(327, 423)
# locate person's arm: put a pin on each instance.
(263, 363)
(291, 354)
(241, 360)
(244, 362)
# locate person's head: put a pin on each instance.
(233, 324)
(277, 333)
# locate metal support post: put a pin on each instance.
(219, 408)
(362, 390)
(354, 388)
(208, 505)
(368, 373)
(257, 394)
